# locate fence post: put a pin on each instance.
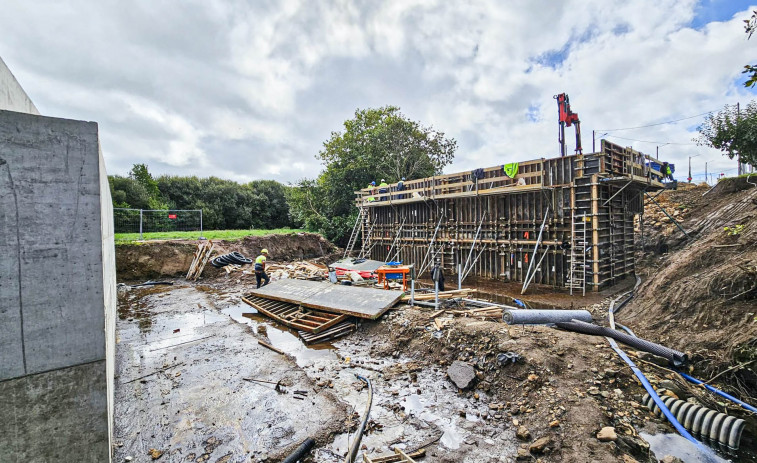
(140, 224)
(201, 237)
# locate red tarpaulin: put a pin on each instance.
(171, 216)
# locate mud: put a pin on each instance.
(564, 388)
(158, 259)
(202, 409)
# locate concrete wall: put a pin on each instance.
(57, 291)
(12, 96)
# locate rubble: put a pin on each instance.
(461, 374)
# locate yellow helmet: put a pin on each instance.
(264, 251)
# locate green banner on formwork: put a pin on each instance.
(511, 170)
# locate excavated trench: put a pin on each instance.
(566, 388)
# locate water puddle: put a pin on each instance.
(282, 337)
(674, 444)
(419, 406)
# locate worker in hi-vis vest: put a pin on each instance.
(260, 268)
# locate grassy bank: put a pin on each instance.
(209, 234)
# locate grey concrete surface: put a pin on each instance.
(55, 416)
(50, 236)
(12, 95)
(57, 290)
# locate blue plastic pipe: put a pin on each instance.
(718, 392)
(657, 400)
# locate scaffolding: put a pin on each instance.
(574, 214)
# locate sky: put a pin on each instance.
(248, 90)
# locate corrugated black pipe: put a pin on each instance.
(677, 359)
(709, 425)
(300, 451)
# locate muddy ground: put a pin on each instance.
(548, 406)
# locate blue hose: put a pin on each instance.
(718, 392)
(706, 451)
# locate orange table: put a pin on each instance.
(393, 272)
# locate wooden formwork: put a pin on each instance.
(492, 223)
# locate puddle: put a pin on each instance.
(282, 337)
(674, 444)
(418, 405)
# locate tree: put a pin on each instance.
(733, 132)
(141, 174)
(750, 70)
(376, 144)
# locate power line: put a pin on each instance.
(653, 125)
(654, 142)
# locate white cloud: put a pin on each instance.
(247, 90)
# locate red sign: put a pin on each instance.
(171, 216)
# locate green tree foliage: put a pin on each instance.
(376, 144)
(750, 69)
(733, 132)
(225, 204)
(228, 205)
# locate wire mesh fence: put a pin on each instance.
(130, 224)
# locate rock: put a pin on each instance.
(461, 374)
(629, 459)
(593, 390)
(533, 377)
(554, 424)
(523, 455)
(607, 434)
(672, 387)
(539, 444)
(129, 458)
(671, 459)
(523, 433)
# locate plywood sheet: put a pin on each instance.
(349, 300)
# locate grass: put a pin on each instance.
(230, 235)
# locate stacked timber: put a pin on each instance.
(202, 256)
(452, 294)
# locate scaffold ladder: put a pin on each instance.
(355, 232)
(365, 250)
(577, 278)
(391, 253)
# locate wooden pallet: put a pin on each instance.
(294, 315)
(336, 331)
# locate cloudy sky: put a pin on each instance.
(251, 89)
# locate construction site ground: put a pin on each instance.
(187, 354)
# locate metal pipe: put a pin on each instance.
(540, 317)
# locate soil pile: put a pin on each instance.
(157, 259)
(700, 293)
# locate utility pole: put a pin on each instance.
(738, 117)
(689, 179)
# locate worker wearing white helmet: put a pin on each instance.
(260, 268)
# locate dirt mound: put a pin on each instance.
(700, 294)
(157, 259)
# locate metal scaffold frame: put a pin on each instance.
(522, 227)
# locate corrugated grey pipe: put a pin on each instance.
(300, 451)
(675, 358)
(708, 424)
(356, 445)
(541, 317)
